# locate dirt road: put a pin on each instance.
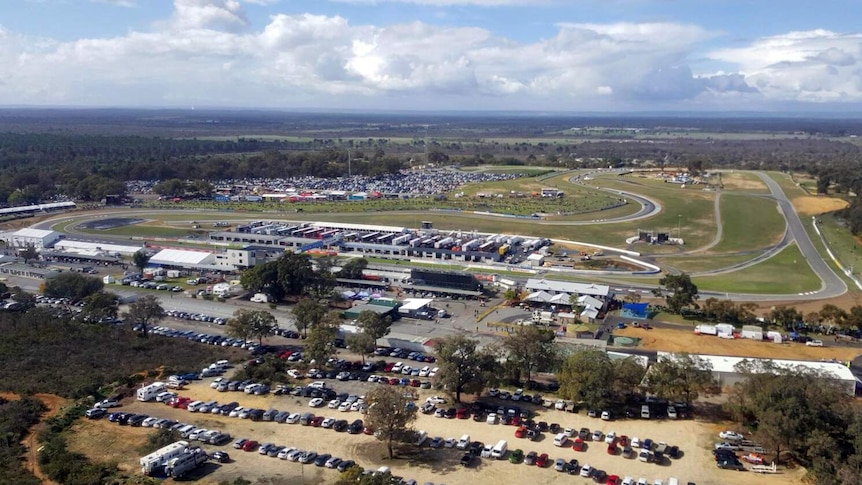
(31, 457)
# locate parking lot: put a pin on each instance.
(441, 465)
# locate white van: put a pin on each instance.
(317, 385)
(421, 437)
(464, 442)
(194, 406)
(644, 411)
(561, 439)
(499, 450)
(486, 451)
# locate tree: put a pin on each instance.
(307, 313)
(531, 349)
(678, 290)
(263, 278)
(833, 316)
(511, 296)
(171, 188)
(353, 269)
(463, 367)
(320, 343)
(628, 376)
(140, 259)
(100, 305)
(25, 299)
(143, 313)
(632, 297)
(74, 286)
(681, 378)
(361, 344)
(294, 273)
(28, 253)
(785, 316)
(588, 376)
(374, 324)
(389, 414)
(786, 406)
(248, 324)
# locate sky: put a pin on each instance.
(570, 56)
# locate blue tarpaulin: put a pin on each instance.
(635, 310)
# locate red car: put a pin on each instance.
(389, 367)
(542, 460)
(623, 440)
(613, 480)
(516, 421)
(250, 445)
(285, 354)
(520, 432)
(393, 381)
(612, 449)
(462, 413)
(415, 383)
(316, 421)
(368, 430)
(579, 444)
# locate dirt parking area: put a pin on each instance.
(672, 340)
(104, 440)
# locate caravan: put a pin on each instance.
(154, 461)
(148, 393)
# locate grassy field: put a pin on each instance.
(138, 230)
(785, 273)
(693, 264)
(690, 210)
(749, 223)
(844, 245)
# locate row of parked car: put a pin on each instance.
(197, 317)
(399, 353)
(185, 430)
(207, 338)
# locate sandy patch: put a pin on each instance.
(672, 340)
(810, 206)
(740, 181)
(438, 466)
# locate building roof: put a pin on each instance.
(535, 257)
(358, 227)
(439, 289)
(179, 256)
(93, 248)
(728, 364)
(35, 233)
(590, 302)
(539, 296)
(411, 304)
(535, 284)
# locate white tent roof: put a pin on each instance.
(534, 284)
(539, 296)
(590, 312)
(590, 302)
(86, 247)
(179, 256)
(411, 304)
(561, 299)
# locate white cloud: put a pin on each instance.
(118, 3)
(814, 66)
(207, 52)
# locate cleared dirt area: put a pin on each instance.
(812, 206)
(742, 181)
(104, 440)
(672, 340)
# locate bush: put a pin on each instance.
(16, 417)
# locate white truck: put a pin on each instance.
(499, 450)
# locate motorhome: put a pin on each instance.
(185, 462)
(157, 459)
(148, 393)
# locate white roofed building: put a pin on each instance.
(728, 370)
(553, 287)
(38, 238)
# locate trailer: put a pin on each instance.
(368, 237)
(148, 393)
(415, 242)
(191, 459)
(705, 330)
(487, 247)
(444, 243)
(157, 459)
(725, 330)
(469, 246)
(401, 239)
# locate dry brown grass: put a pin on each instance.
(672, 340)
(742, 181)
(812, 206)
